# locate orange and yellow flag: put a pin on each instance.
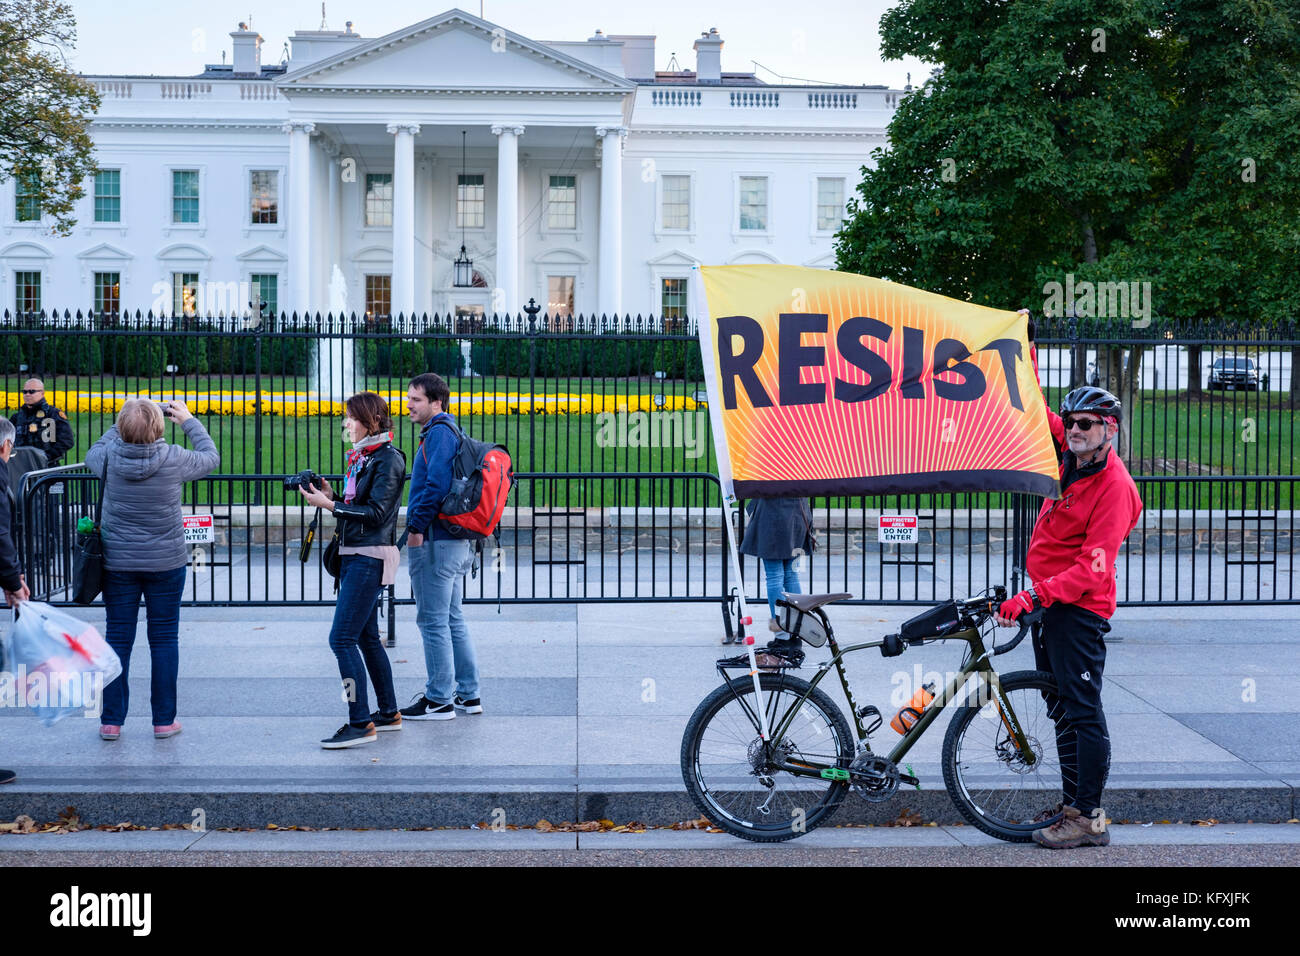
(829, 383)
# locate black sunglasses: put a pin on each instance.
(1084, 424)
(32, 391)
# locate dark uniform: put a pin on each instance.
(35, 431)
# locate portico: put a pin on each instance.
(375, 156)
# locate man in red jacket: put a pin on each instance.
(1071, 561)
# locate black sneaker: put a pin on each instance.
(7, 776)
(471, 706)
(350, 736)
(422, 708)
(385, 722)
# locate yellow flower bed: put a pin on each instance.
(303, 404)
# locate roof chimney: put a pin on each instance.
(708, 57)
(248, 50)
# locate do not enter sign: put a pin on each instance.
(898, 529)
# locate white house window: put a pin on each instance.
(559, 296)
(27, 197)
(265, 197)
(266, 292)
(562, 203)
(27, 287)
(470, 201)
(379, 199)
(185, 291)
(830, 204)
(108, 195)
(108, 291)
(753, 203)
(379, 295)
(676, 202)
(185, 195)
(672, 298)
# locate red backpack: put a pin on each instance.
(481, 478)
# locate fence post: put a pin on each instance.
(532, 308)
(258, 329)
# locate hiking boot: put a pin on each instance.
(1048, 814)
(1074, 829)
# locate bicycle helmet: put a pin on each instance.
(1089, 398)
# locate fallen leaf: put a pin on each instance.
(24, 824)
(272, 826)
(545, 826)
(908, 818)
(1208, 822)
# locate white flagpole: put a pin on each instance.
(721, 454)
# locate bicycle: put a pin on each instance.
(999, 765)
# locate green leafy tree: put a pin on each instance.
(44, 108)
(1118, 140)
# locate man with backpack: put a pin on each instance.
(438, 560)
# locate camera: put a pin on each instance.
(304, 479)
(164, 408)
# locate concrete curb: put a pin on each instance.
(396, 808)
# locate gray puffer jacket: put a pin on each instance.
(141, 525)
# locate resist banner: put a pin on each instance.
(828, 383)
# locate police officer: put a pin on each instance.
(41, 425)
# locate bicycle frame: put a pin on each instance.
(979, 664)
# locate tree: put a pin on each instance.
(44, 108)
(1115, 140)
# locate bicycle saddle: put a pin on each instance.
(811, 602)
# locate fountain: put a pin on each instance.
(332, 375)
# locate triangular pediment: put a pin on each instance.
(674, 257)
(105, 250)
(452, 51)
(262, 253)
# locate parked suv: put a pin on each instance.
(1228, 373)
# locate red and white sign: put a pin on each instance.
(198, 529)
(897, 529)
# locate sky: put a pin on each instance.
(839, 43)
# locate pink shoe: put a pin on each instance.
(109, 731)
(170, 730)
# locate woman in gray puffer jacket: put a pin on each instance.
(144, 546)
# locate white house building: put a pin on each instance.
(336, 180)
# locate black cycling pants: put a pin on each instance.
(1071, 646)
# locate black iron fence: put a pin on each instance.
(595, 544)
(607, 422)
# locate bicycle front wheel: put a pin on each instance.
(990, 780)
(730, 773)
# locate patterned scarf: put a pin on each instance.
(357, 459)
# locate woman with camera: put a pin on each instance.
(144, 546)
(367, 516)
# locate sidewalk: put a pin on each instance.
(584, 712)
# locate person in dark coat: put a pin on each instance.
(41, 425)
(779, 532)
(11, 570)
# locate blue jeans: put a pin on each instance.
(355, 636)
(780, 576)
(437, 569)
(162, 591)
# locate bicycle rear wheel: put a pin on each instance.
(988, 778)
(728, 772)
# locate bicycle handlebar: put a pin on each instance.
(1026, 622)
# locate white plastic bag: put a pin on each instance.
(61, 664)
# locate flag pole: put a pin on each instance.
(721, 454)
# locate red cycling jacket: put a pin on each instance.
(1075, 545)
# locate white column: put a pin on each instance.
(507, 217)
(333, 226)
(403, 216)
(424, 264)
(611, 218)
(299, 297)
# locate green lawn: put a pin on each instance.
(1212, 432)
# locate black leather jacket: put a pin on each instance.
(371, 518)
